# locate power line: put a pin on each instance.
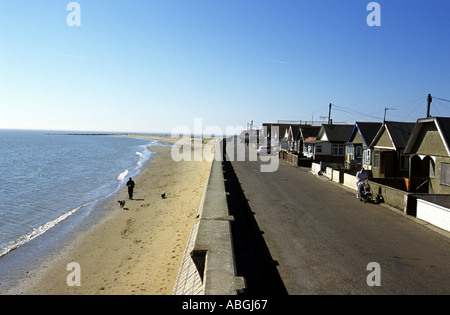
(353, 111)
(407, 107)
(413, 101)
(435, 108)
(419, 105)
(442, 99)
(416, 104)
(443, 104)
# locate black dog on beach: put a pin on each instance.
(122, 203)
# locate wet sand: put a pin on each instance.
(138, 249)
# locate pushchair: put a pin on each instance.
(365, 192)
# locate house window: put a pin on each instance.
(404, 162)
(337, 149)
(349, 152)
(358, 151)
(445, 174)
(366, 157)
(376, 159)
(432, 170)
(319, 149)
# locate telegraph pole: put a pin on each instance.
(329, 115)
(430, 99)
(385, 112)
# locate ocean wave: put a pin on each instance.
(122, 176)
(20, 223)
(139, 162)
(7, 248)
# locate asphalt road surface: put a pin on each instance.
(297, 233)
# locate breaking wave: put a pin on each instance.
(7, 248)
(122, 176)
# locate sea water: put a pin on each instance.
(48, 177)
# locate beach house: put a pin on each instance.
(388, 157)
(429, 150)
(305, 132)
(291, 137)
(329, 144)
(357, 151)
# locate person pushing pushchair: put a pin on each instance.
(366, 192)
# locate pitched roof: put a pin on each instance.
(336, 133)
(282, 128)
(294, 129)
(442, 125)
(368, 131)
(399, 133)
(444, 128)
(305, 132)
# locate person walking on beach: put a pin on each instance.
(361, 176)
(130, 185)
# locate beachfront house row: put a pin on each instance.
(357, 151)
(291, 136)
(275, 130)
(329, 144)
(296, 135)
(388, 157)
(429, 151)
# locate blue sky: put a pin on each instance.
(151, 65)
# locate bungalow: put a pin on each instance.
(429, 150)
(329, 144)
(304, 133)
(357, 152)
(291, 135)
(296, 134)
(388, 147)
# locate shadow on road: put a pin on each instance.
(253, 259)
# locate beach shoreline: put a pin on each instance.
(137, 249)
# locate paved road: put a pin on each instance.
(296, 233)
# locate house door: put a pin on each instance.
(421, 170)
(389, 160)
(387, 164)
(382, 164)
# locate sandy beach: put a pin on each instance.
(138, 249)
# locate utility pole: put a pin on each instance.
(385, 111)
(329, 116)
(430, 99)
